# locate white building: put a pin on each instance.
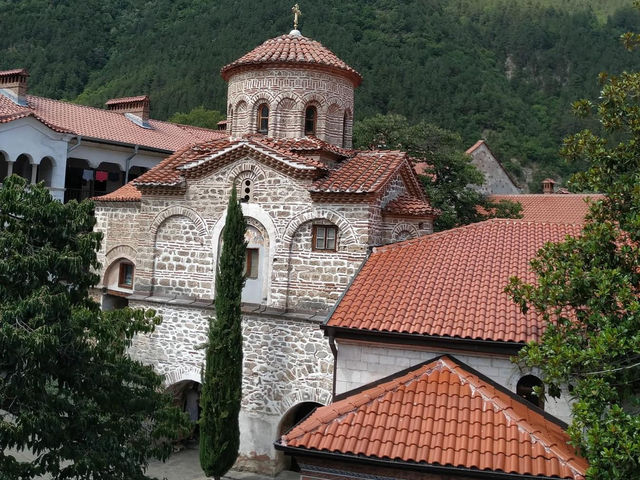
(80, 151)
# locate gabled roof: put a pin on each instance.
(367, 172)
(441, 413)
(361, 178)
(479, 144)
(564, 208)
(449, 284)
(205, 157)
(292, 50)
(105, 125)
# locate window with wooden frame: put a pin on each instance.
(324, 238)
(125, 276)
(310, 120)
(263, 118)
(252, 262)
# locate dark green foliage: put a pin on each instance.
(450, 175)
(588, 290)
(222, 386)
(497, 69)
(199, 117)
(69, 392)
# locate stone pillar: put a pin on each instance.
(34, 173)
(10, 167)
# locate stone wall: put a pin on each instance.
(288, 92)
(359, 364)
(496, 180)
(286, 361)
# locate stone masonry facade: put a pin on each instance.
(174, 242)
(288, 92)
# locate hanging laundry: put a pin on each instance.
(114, 176)
(101, 176)
(87, 174)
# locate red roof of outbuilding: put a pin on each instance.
(441, 413)
(566, 208)
(292, 50)
(101, 124)
(407, 205)
(450, 284)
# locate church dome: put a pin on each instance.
(292, 50)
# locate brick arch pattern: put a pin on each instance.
(256, 173)
(241, 113)
(286, 116)
(404, 227)
(335, 121)
(121, 251)
(185, 373)
(255, 102)
(303, 395)
(179, 211)
(347, 234)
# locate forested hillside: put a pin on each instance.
(503, 70)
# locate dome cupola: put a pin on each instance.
(291, 87)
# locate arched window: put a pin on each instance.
(345, 126)
(263, 118)
(310, 120)
(525, 389)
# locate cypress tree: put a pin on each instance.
(222, 385)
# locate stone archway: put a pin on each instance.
(292, 417)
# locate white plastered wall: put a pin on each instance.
(362, 363)
(30, 137)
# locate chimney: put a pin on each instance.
(131, 106)
(13, 84)
(548, 185)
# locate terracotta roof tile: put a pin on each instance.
(292, 50)
(407, 205)
(441, 413)
(106, 125)
(366, 172)
(313, 144)
(451, 283)
(567, 208)
(116, 101)
(126, 193)
(172, 170)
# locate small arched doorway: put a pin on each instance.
(294, 415)
(186, 396)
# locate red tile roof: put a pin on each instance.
(474, 147)
(407, 205)
(126, 193)
(366, 172)
(292, 50)
(450, 284)
(567, 208)
(204, 157)
(441, 413)
(118, 101)
(97, 123)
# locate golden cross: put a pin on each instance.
(296, 15)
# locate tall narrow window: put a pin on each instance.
(324, 237)
(252, 260)
(310, 120)
(125, 277)
(345, 123)
(263, 118)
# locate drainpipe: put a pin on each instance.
(128, 163)
(78, 142)
(334, 350)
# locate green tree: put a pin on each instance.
(222, 386)
(69, 393)
(449, 177)
(588, 290)
(198, 117)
